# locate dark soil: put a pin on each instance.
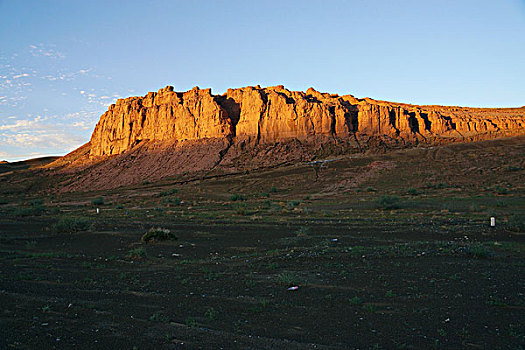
(422, 271)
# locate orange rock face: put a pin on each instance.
(254, 116)
(170, 133)
(162, 116)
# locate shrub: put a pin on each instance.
(158, 234)
(158, 317)
(293, 204)
(29, 211)
(136, 253)
(3, 201)
(273, 189)
(211, 314)
(190, 322)
(478, 251)
(241, 209)
(370, 189)
(98, 201)
(288, 278)
(388, 202)
(355, 300)
(168, 192)
(517, 223)
(36, 202)
(501, 190)
(174, 200)
(413, 192)
(303, 231)
(236, 197)
(69, 224)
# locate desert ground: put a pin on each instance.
(387, 251)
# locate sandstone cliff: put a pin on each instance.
(255, 115)
(168, 133)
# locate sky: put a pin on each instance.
(62, 63)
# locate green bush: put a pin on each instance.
(292, 204)
(240, 209)
(517, 223)
(236, 197)
(289, 278)
(274, 189)
(388, 202)
(98, 201)
(478, 250)
(136, 253)
(174, 200)
(501, 190)
(168, 192)
(3, 201)
(29, 211)
(159, 317)
(158, 234)
(413, 192)
(68, 224)
(303, 231)
(36, 202)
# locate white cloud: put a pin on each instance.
(20, 75)
(42, 50)
(37, 135)
(81, 125)
(19, 124)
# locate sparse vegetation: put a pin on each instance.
(136, 253)
(70, 224)
(158, 234)
(159, 317)
(413, 192)
(211, 314)
(516, 223)
(355, 301)
(292, 204)
(29, 211)
(478, 250)
(168, 192)
(190, 322)
(236, 197)
(303, 231)
(287, 278)
(98, 201)
(388, 202)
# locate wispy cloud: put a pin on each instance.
(45, 50)
(20, 76)
(19, 124)
(39, 136)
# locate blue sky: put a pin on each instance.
(62, 63)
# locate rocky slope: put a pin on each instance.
(168, 132)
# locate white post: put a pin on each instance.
(98, 211)
(492, 222)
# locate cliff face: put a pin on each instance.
(170, 133)
(162, 116)
(254, 116)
